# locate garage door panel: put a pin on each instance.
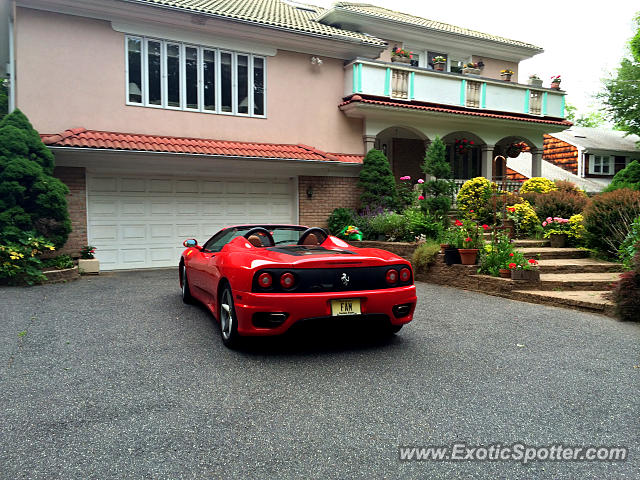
(138, 222)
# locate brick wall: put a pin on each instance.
(561, 154)
(328, 193)
(74, 178)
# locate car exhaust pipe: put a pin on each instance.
(269, 319)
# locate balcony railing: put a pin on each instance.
(404, 82)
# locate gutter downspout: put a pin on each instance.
(12, 66)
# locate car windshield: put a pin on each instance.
(282, 235)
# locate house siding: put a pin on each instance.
(329, 193)
(561, 154)
(75, 179)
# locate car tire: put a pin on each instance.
(228, 319)
(186, 291)
(392, 329)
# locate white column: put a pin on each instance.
(369, 142)
(486, 161)
(536, 162)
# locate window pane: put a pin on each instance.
(225, 80)
(243, 84)
(134, 48)
(209, 79)
(153, 67)
(173, 75)
(456, 66)
(258, 86)
(191, 76)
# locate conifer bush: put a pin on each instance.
(377, 182)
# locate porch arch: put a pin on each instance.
(405, 147)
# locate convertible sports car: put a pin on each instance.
(262, 279)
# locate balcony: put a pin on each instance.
(397, 81)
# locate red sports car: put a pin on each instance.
(262, 279)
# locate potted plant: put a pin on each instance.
(526, 270)
(472, 68)
(557, 230)
(496, 256)
(555, 82)
(535, 80)
(401, 55)
(506, 74)
(439, 63)
(470, 242)
(454, 238)
(350, 232)
(88, 263)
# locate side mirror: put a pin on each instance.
(190, 242)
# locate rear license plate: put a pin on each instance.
(346, 306)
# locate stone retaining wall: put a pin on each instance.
(403, 249)
(61, 276)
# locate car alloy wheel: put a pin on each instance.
(228, 320)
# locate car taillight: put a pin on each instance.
(392, 276)
(405, 275)
(265, 280)
(287, 280)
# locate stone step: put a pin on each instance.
(577, 281)
(577, 265)
(587, 300)
(548, 252)
(531, 243)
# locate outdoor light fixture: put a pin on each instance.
(310, 191)
(316, 61)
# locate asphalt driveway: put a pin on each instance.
(113, 377)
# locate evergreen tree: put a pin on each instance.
(437, 192)
(377, 181)
(628, 177)
(31, 199)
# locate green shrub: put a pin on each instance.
(557, 203)
(377, 181)
(567, 186)
(436, 192)
(424, 255)
(525, 219)
(19, 258)
(496, 255)
(474, 199)
(340, 218)
(421, 225)
(60, 262)
(631, 245)
(405, 193)
(30, 197)
(608, 218)
(576, 230)
(628, 177)
(538, 185)
(390, 224)
(626, 293)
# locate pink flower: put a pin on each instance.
(421, 197)
(468, 239)
(420, 180)
(544, 224)
(406, 177)
(549, 219)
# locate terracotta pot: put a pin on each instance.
(439, 67)
(558, 240)
(555, 85)
(505, 273)
(443, 247)
(452, 256)
(526, 275)
(468, 256)
(398, 58)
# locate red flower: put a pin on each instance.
(512, 266)
(458, 223)
(511, 254)
(471, 142)
(532, 261)
(512, 209)
(468, 239)
(486, 227)
(470, 211)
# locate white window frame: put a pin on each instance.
(592, 165)
(144, 41)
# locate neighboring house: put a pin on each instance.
(589, 157)
(172, 118)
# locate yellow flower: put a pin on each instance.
(51, 247)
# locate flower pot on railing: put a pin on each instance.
(471, 71)
(468, 256)
(439, 66)
(526, 275)
(506, 77)
(555, 85)
(535, 82)
(452, 256)
(558, 240)
(400, 58)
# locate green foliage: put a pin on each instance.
(628, 177)
(340, 218)
(405, 194)
(437, 191)
(538, 185)
(626, 293)
(608, 218)
(59, 262)
(4, 98)
(390, 224)
(631, 245)
(621, 96)
(525, 218)
(421, 225)
(424, 255)
(557, 203)
(377, 181)
(31, 199)
(576, 230)
(474, 199)
(496, 255)
(19, 258)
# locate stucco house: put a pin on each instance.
(172, 118)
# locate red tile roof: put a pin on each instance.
(366, 99)
(92, 139)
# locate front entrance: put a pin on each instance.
(408, 157)
(464, 165)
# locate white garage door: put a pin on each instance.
(141, 222)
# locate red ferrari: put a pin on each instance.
(262, 279)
